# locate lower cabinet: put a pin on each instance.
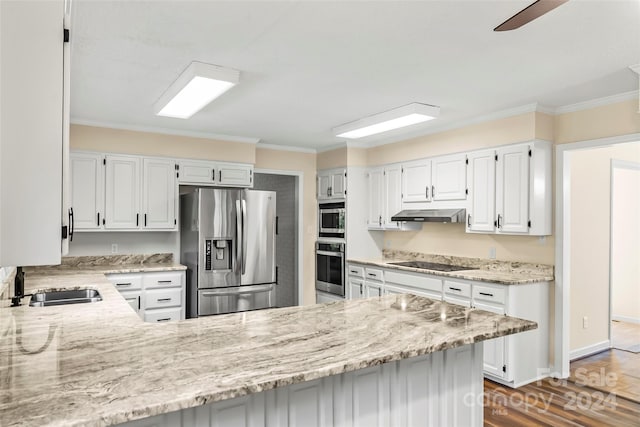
(155, 296)
(513, 361)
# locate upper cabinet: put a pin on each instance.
(449, 177)
(416, 181)
(427, 182)
(32, 65)
(510, 190)
(122, 192)
(205, 172)
(87, 190)
(385, 198)
(332, 184)
(159, 194)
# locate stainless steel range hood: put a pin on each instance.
(431, 215)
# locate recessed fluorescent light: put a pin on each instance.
(196, 87)
(407, 115)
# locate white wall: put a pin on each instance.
(625, 242)
(128, 243)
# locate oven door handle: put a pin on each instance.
(333, 254)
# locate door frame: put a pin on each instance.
(299, 175)
(615, 164)
(561, 359)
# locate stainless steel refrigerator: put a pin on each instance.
(227, 242)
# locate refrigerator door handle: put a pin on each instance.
(244, 236)
(239, 236)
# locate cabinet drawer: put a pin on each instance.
(355, 270)
(457, 288)
(162, 280)
(373, 274)
(126, 282)
(163, 298)
(490, 294)
(420, 281)
(162, 315)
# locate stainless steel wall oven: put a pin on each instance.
(330, 267)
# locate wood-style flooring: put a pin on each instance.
(603, 390)
(625, 336)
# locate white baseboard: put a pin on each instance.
(626, 319)
(589, 350)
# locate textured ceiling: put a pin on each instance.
(307, 67)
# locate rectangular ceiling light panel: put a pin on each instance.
(407, 115)
(196, 87)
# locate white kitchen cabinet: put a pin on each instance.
(332, 184)
(512, 189)
(155, 296)
(449, 177)
(494, 349)
(375, 187)
(159, 194)
(87, 190)
(235, 175)
(373, 282)
(392, 195)
(522, 190)
(356, 288)
(416, 181)
(197, 172)
(482, 191)
(122, 192)
(31, 118)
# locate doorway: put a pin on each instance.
(625, 253)
(287, 235)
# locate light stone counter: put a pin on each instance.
(99, 364)
(503, 272)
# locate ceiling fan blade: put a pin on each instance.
(528, 14)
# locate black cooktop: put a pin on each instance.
(431, 266)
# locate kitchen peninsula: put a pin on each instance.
(361, 362)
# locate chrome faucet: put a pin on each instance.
(18, 292)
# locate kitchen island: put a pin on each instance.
(394, 360)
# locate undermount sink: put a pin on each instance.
(73, 296)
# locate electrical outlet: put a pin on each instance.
(492, 253)
(114, 248)
(585, 322)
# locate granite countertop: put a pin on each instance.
(109, 264)
(503, 272)
(99, 364)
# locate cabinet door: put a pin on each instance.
(159, 194)
(356, 288)
(134, 299)
(482, 191)
(122, 199)
(235, 175)
(449, 178)
(338, 185)
(197, 172)
(392, 195)
(512, 189)
(416, 181)
(373, 289)
(87, 190)
(376, 198)
(494, 349)
(324, 182)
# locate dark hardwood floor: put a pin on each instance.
(603, 390)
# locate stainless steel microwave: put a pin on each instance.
(331, 220)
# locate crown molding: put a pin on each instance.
(278, 147)
(598, 102)
(164, 131)
(332, 147)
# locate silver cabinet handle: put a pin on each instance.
(380, 220)
(123, 284)
(166, 319)
(164, 281)
(486, 294)
(426, 192)
(469, 220)
(455, 289)
(433, 191)
(499, 221)
(163, 299)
